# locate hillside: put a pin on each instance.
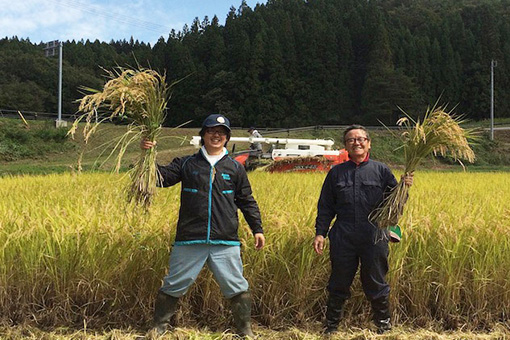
(40, 148)
(291, 63)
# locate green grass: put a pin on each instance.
(41, 149)
(487, 122)
(34, 141)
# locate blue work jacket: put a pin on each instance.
(350, 193)
(210, 198)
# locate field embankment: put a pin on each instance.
(39, 148)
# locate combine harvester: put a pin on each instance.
(286, 154)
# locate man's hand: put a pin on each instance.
(318, 244)
(260, 241)
(146, 144)
(408, 179)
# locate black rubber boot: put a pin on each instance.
(241, 311)
(164, 309)
(381, 314)
(334, 313)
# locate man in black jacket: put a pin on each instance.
(213, 187)
(351, 191)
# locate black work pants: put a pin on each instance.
(346, 255)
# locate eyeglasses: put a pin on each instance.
(218, 132)
(358, 139)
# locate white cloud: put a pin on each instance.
(35, 19)
(145, 20)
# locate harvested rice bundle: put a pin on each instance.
(439, 134)
(141, 97)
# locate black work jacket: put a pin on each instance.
(210, 197)
(350, 193)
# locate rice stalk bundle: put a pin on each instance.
(439, 133)
(141, 97)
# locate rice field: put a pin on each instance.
(74, 254)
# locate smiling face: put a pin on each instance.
(214, 139)
(357, 144)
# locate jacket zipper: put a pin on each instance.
(211, 179)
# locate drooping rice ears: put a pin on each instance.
(439, 133)
(141, 97)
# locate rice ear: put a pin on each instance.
(439, 133)
(141, 95)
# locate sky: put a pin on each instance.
(145, 20)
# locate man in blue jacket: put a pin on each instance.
(213, 188)
(351, 191)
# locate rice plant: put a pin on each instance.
(439, 133)
(139, 96)
(70, 256)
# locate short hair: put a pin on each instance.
(356, 127)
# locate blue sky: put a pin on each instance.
(145, 20)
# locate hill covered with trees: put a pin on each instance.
(293, 62)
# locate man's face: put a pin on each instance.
(357, 144)
(215, 138)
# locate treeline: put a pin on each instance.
(294, 62)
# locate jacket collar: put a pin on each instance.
(364, 161)
(203, 153)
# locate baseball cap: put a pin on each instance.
(216, 120)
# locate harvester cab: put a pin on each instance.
(287, 154)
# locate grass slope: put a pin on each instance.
(39, 148)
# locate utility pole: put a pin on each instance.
(59, 120)
(50, 51)
(494, 63)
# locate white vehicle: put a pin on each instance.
(298, 154)
(287, 147)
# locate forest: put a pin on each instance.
(289, 63)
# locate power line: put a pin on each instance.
(115, 16)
